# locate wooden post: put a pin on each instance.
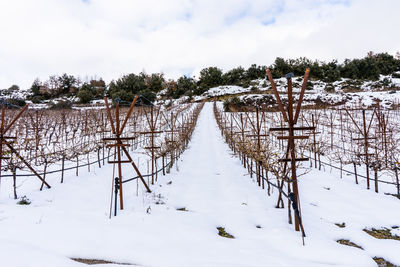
(1, 138)
(376, 178)
(62, 168)
(292, 150)
(77, 166)
(396, 172)
(314, 141)
(355, 172)
(366, 147)
(258, 147)
(14, 174)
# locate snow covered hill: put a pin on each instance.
(176, 224)
(346, 92)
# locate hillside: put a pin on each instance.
(347, 92)
(330, 83)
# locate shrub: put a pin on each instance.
(16, 101)
(264, 84)
(168, 104)
(234, 76)
(37, 99)
(24, 201)
(245, 84)
(63, 104)
(310, 86)
(123, 95)
(329, 88)
(386, 82)
(147, 97)
(253, 89)
(226, 104)
(232, 102)
(85, 96)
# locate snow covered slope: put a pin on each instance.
(71, 220)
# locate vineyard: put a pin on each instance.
(40, 143)
(191, 133)
(363, 145)
(140, 185)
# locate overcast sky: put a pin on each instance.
(109, 38)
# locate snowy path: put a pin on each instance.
(71, 220)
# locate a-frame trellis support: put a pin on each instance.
(291, 119)
(7, 141)
(120, 146)
(365, 137)
(152, 122)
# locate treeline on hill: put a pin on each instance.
(148, 85)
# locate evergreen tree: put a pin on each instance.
(210, 77)
(185, 85)
(234, 76)
(66, 82)
(86, 93)
(35, 88)
(255, 72)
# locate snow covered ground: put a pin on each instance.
(71, 220)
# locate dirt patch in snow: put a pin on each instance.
(348, 243)
(96, 261)
(383, 233)
(384, 263)
(223, 233)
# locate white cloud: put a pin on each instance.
(106, 38)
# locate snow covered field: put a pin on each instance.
(212, 190)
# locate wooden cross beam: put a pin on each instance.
(275, 129)
(292, 137)
(106, 139)
(289, 160)
(150, 132)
